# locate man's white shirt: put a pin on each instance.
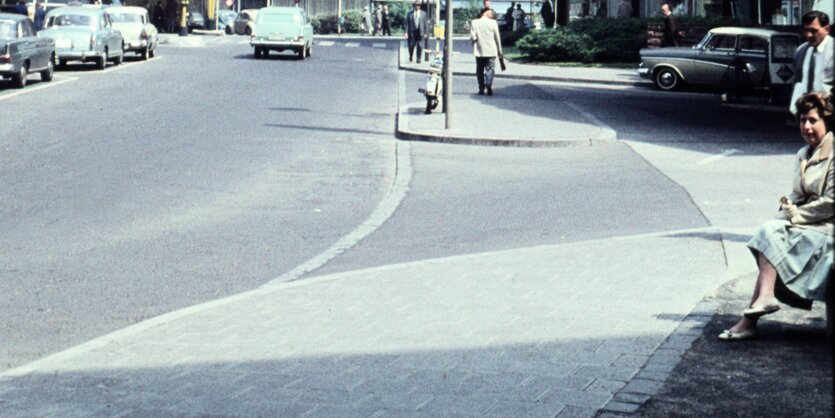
(822, 57)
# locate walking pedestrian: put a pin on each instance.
(159, 17)
(416, 31)
(365, 23)
(487, 45)
(794, 252)
(386, 21)
(670, 35)
(378, 20)
(170, 16)
(813, 60)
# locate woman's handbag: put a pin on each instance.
(502, 64)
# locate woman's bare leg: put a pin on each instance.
(763, 292)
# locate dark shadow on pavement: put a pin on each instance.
(786, 372)
(713, 236)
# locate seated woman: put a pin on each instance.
(794, 252)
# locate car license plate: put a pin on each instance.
(63, 43)
(276, 37)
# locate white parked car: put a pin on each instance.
(139, 34)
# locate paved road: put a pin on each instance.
(204, 173)
(154, 186)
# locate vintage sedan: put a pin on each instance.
(83, 34)
(280, 29)
(226, 21)
(244, 22)
(736, 59)
(139, 35)
(21, 52)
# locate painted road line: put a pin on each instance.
(325, 43)
(352, 44)
(39, 86)
(378, 45)
(724, 154)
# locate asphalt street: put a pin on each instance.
(150, 187)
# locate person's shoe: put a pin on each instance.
(757, 311)
(481, 92)
(418, 61)
(728, 335)
(489, 91)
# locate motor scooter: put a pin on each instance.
(434, 83)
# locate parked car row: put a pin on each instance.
(73, 33)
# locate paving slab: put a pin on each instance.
(301, 348)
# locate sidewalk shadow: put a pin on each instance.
(713, 236)
(787, 371)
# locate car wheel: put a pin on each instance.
(19, 79)
(667, 79)
(302, 53)
(118, 60)
(257, 52)
(145, 53)
(102, 62)
(228, 30)
(248, 31)
(152, 52)
(62, 63)
(310, 50)
(46, 75)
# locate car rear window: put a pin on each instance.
(8, 29)
(126, 18)
(69, 20)
(723, 42)
(271, 18)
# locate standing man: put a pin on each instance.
(508, 16)
(547, 14)
(40, 16)
(416, 31)
(518, 18)
(670, 35)
(487, 45)
(813, 59)
(386, 21)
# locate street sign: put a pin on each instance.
(785, 73)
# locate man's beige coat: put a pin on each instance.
(484, 33)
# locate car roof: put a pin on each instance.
(12, 16)
(129, 9)
(280, 10)
(729, 30)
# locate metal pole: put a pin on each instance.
(448, 66)
(183, 13)
(339, 17)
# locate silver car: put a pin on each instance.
(21, 52)
(83, 34)
(139, 35)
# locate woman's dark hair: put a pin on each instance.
(484, 10)
(816, 101)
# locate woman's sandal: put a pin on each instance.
(728, 335)
(757, 311)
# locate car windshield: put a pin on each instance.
(126, 18)
(273, 18)
(8, 29)
(70, 20)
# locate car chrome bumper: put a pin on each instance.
(643, 72)
(136, 45)
(276, 44)
(77, 55)
(7, 70)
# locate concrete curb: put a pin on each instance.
(608, 136)
(538, 77)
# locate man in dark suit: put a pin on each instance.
(416, 31)
(670, 34)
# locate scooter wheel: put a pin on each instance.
(434, 104)
(429, 106)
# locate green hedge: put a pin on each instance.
(599, 40)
